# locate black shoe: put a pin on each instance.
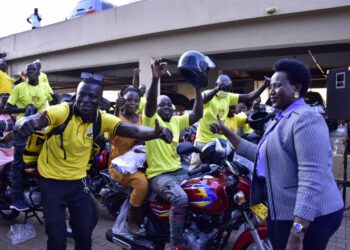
(19, 205)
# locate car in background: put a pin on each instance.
(85, 7)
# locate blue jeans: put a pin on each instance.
(16, 170)
(57, 195)
(168, 187)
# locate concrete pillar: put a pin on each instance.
(146, 71)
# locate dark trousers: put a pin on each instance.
(16, 170)
(316, 236)
(56, 196)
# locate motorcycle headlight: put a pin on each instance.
(239, 198)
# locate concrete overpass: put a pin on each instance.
(243, 37)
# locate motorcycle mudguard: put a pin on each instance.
(246, 237)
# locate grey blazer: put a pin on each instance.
(298, 167)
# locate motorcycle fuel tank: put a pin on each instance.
(160, 209)
(206, 194)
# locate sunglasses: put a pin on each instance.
(87, 75)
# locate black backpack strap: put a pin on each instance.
(96, 131)
(59, 130)
(97, 126)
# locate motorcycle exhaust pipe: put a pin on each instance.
(121, 243)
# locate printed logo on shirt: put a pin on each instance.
(35, 99)
(221, 112)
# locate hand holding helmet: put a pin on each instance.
(194, 67)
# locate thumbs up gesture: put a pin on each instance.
(120, 102)
(216, 127)
(163, 133)
(28, 125)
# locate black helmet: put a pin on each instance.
(216, 151)
(194, 67)
(257, 119)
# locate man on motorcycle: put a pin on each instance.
(63, 160)
(28, 93)
(218, 100)
(164, 168)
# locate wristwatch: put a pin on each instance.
(298, 228)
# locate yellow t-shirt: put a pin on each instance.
(5, 83)
(238, 121)
(77, 142)
(24, 94)
(142, 104)
(161, 156)
(43, 77)
(211, 108)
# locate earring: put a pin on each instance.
(296, 94)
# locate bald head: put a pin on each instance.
(163, 98)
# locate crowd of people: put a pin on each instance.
(292, 155)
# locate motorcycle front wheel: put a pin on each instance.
(252, 245)
(9, 214)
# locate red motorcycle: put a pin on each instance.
(218, 193)
(31, 195)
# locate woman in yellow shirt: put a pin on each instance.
(129, 101)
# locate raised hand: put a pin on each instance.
(217, 127)
(136, 72)
(267, 81)
(120, 102)
(28, 125)
(163, 133)
(158, 68)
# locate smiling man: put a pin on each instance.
(164, 169)
(63, 161)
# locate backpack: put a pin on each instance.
(36, 141)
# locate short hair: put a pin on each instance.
(92, 82)
(127, 89)
(105, 104)
(297, 73)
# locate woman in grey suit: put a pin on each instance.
(293, 165)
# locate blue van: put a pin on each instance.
(85, 7)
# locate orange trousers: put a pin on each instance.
(137, 181)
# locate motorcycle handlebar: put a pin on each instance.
(201, 169)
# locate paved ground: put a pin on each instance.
(340, 241)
